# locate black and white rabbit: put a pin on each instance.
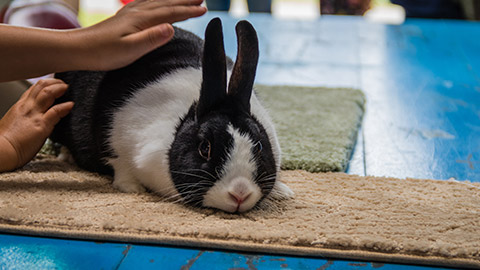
(168, 123)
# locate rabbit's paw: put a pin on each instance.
(281, 191)
(129, 186)
(65, 155)
(124, 180)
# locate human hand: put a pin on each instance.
(135, 30)
(29, 122)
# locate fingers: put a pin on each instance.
(41, 97)
(176, 13)
(170, 6)
(166, 3)
(35, 89)
(151, 38)
(46, 97)
(57, 112)
(158, 12)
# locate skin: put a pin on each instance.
(28, 123)
(135, 30)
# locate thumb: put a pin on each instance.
(55, 113)
(153, 37)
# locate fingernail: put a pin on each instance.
(166, 30)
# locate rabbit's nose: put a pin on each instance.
(239, 198)
(239, 193)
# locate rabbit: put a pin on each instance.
(167, 123)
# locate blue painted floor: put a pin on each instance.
(21, 252)
(422, 120)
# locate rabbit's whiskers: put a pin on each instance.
(190, 174)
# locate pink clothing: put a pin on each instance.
(52, 14)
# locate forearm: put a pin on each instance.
(32, 52)
(136, 29)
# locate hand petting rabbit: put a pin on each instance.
(182, 121)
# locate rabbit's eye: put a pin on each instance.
(257, 148)
(204, 149)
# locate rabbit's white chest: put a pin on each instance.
(144, 128)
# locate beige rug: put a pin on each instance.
(333, 215)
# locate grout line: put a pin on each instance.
(125, 253)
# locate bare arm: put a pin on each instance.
(31, 52)
(136, 29)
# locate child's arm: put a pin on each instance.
(136, 29)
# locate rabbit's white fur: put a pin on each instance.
(144, 128)
(237, 175)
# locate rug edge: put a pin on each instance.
(241, 246)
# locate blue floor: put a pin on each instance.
(21, 252)
(422, 120)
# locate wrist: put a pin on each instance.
(82, 49)
(72, 51)
(8, 155)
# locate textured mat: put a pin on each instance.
(316, 127)
(333, 215)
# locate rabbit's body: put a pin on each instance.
(97, 94)
(154, 123)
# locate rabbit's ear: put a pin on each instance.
(214, 69)
(243, 74)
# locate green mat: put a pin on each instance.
(317, 127)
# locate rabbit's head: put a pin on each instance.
(221, 156)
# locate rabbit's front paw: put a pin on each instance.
(281, 191)
(65, 155)
(130, 186)
(124, 179)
